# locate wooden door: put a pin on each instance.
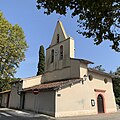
(100, 104)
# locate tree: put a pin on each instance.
(41, 63)
(99, 19)
(12, 48)
(99, 67)
(116, 85)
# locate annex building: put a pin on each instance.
(67, 88)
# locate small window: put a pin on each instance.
(105, 80)
(52, 56)
(57, 38)
(61, 52)
(90, 77)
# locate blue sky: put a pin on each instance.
(39, 29)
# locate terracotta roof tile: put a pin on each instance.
(53, 85)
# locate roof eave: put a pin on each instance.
(83, 60)
(100, 72)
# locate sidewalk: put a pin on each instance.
(103, 116)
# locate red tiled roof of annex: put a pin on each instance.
(52, 85)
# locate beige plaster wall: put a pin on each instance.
(32, 81)
(72, 71)
(72, 48)
(83, 69)
(44, 102)
(57, 75)
(59, 69)
(14, 101)
(98, 83)
(4, 99)
(74, 68)
(58, 64)
(76, 100)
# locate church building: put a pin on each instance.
(68, 87)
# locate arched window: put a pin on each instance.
(61, 52)
(57, 38)
(52, 56)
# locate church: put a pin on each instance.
(68, 87)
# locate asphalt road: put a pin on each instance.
(9, 114)
(5, 116)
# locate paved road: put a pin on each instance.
(9, 114)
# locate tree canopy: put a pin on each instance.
(41, 63)
(99, 19)
(12, 48)
(99, 67)
(116, 85)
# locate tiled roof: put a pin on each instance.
(54, 85)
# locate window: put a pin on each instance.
(90, 77)
(52, 56)
(105, 80)
(57, 38)
(61, 52)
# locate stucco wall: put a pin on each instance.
(57, 75)
(72, 48)
(73, 101)
(4, 101)
(59, 69)
(74, 68)
(83, 69)
(44, 102)
(14, 101)
(32, 81)
(98, 83)
(76, 100)
(58, 64)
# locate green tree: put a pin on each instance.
(116, 85)
(99, 67)
(41, 63)
(12, 48)
(99, 19)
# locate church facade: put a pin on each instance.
(68, 87)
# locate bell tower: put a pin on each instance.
(59, 52)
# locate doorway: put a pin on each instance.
(8, 96)
(100, 104)
(22, 100)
